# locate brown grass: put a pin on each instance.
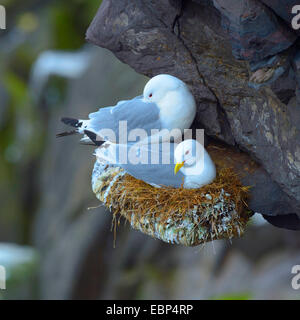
(145, 206)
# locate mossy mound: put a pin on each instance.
(179, 216)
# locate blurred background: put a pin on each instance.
(55, 237)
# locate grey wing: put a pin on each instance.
(161, 173)
(155, 174)
(136, 112)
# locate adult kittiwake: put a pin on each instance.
(185, 164)
(166, 103)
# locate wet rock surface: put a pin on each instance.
(283, 8)
(254, 29)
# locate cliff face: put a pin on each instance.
(200, 42)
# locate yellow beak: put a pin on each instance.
(178, 166)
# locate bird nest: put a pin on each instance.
(179, 216)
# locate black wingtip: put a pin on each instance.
(71, 122)
(93, 137)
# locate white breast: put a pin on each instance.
(177, 109)
(194, 179)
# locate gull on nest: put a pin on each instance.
(182, 202)
(166, 103)
(189, 164)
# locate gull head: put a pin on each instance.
(159, 86)
(195, 163)
(174, 99)
(187, 154)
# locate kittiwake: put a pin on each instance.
(166, 103)
(185, 164)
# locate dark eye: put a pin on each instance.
(150, 95)
(187, 152)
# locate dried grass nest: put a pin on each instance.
(179, 216)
